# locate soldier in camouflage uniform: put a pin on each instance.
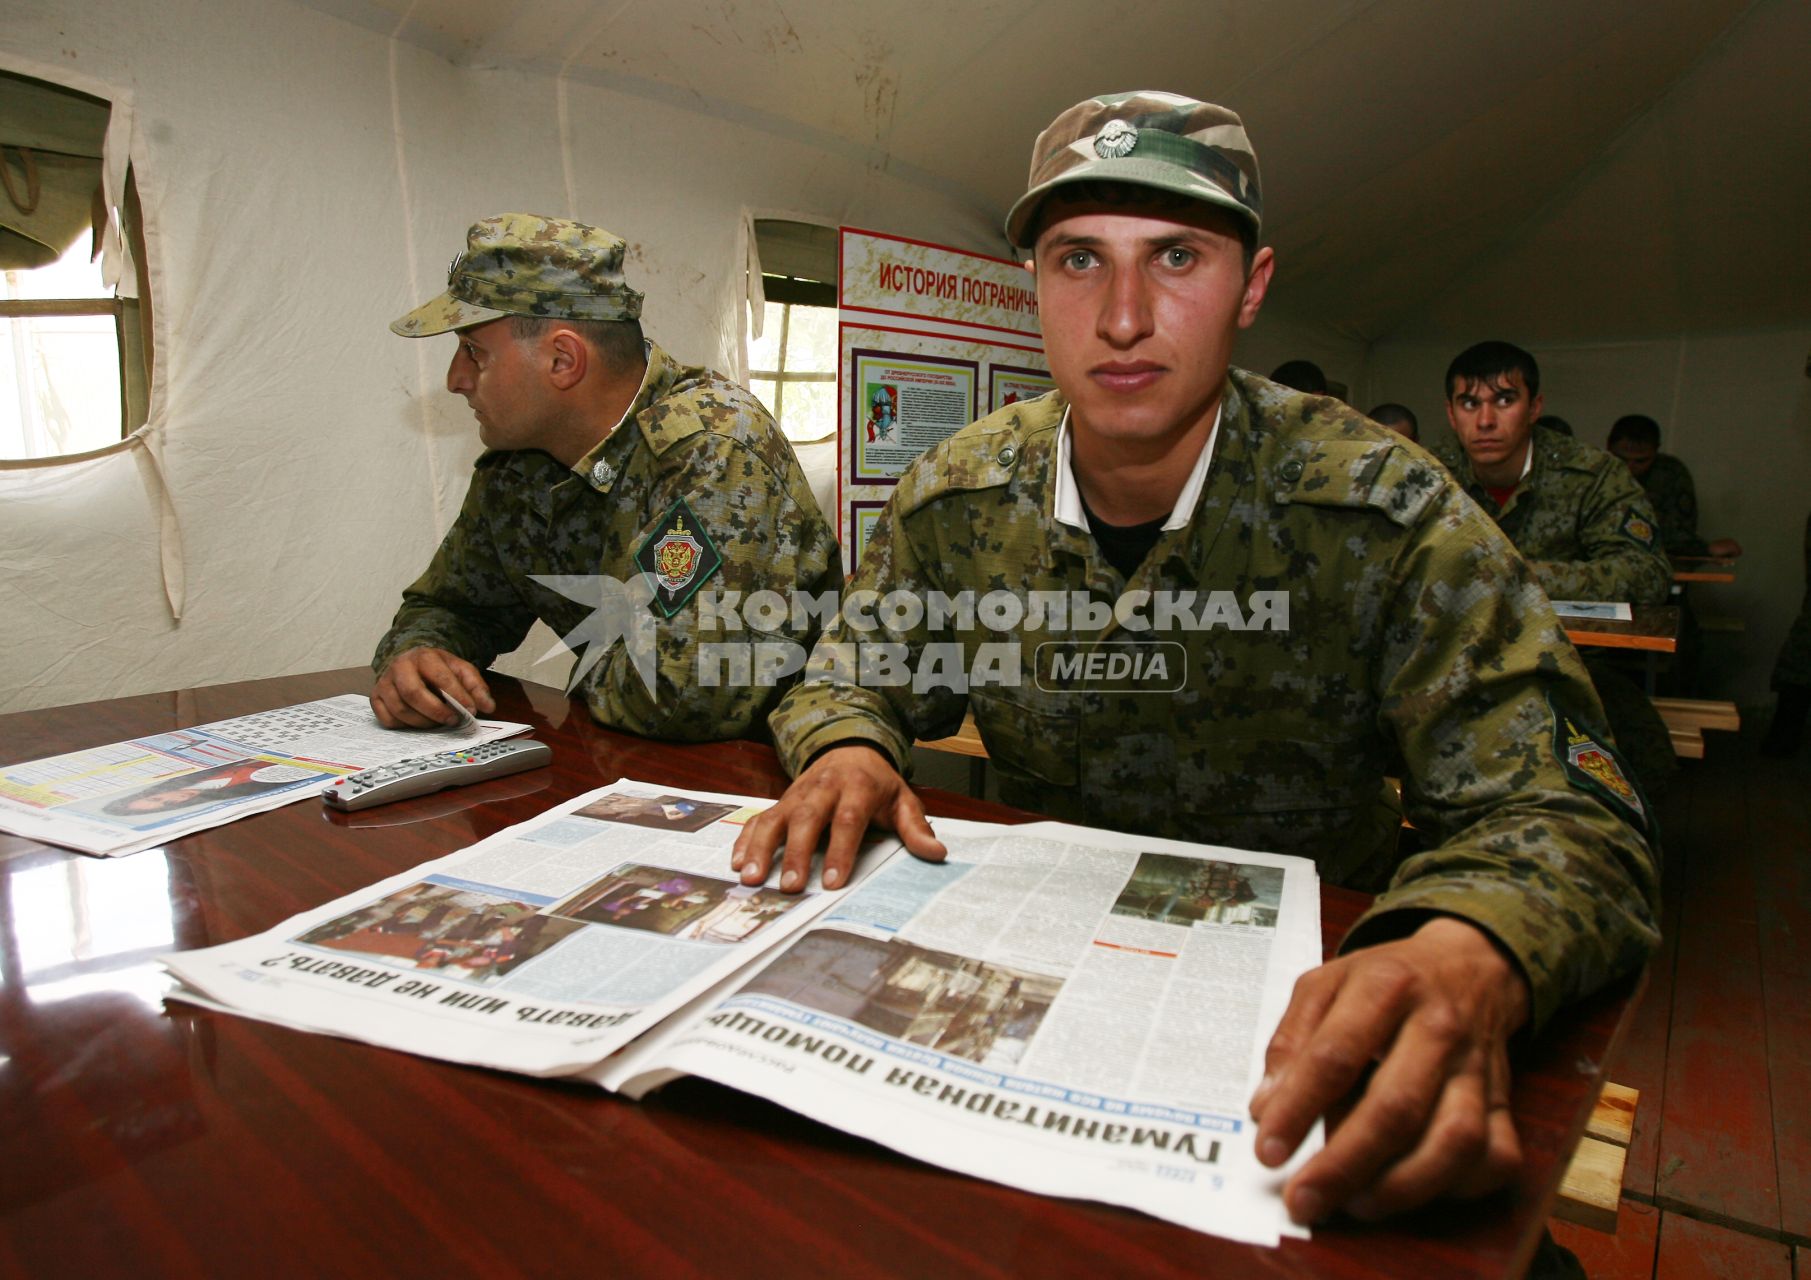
(1577, 515)
(1635, 438)
(607, 458)
(1410, 632)
(1574, 511)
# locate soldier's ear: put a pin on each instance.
(567, 357)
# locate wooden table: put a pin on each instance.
(1703, 569)
(145, 1140)
(1654, 628)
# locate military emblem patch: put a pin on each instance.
(1116, 140)
(680, 555)
(1595, 767)
(1637, 528)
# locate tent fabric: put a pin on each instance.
(102, 124)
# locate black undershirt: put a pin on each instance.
(1124, 545)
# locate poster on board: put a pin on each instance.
(930, 339)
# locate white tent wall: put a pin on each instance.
(305, 181)
(1735, 406)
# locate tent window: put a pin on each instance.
(74, 355)
(792, 365)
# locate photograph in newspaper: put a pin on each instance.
(963, 1007)
(184, 796)
(447, 926)
(658, 813)
(128, 796)
(1073, 1012)
(1173, 890)
(691, 906)
(541, 949)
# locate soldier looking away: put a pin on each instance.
(605, 460)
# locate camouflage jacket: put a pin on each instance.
(1668, 485)
(1581, 520)
(1412, 638)
(694, 450)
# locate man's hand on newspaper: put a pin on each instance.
(405, 697)
(840, 793)
(1434, 1012)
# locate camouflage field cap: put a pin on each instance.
(522, 264)
(1148, 139)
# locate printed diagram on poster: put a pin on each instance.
(930, 339)
(906, 405)
(1007, 385)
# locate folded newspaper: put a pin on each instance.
(129, 796)
(1071, 1011)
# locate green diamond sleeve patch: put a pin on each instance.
(680, 555)
(1594, 767)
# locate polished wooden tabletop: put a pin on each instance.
(146, 1139)
(1654, 628)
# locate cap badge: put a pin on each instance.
(1115, 140)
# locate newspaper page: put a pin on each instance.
(133, 795)
(541, 949)
(1074, 1012)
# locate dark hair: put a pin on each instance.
(1490, 363)
(1636, 428)
(618, 342)
(1303, 375)
(1553, 422)
(1390, 413)
(1098, 191)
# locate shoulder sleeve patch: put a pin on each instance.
(680, 555)
(1593, 767)
(1638, 529)
(1362, 473)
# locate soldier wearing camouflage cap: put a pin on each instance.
(1408, 634)
(606, 460)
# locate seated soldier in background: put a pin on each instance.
(1574, 511)
(1668, 484)
(605, 459)
(1157, 478)
(1301, 375)
(1398, 418)
(1579, 517)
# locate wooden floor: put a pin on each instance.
(1718, 1181)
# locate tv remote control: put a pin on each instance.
(419, 775)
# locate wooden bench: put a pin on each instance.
(1591, 1190)
(966, 741)
(1687, 718)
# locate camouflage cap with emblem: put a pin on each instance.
(1147, 139)
(523, 264)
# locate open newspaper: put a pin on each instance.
(1066, 1010)
(129, 796)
